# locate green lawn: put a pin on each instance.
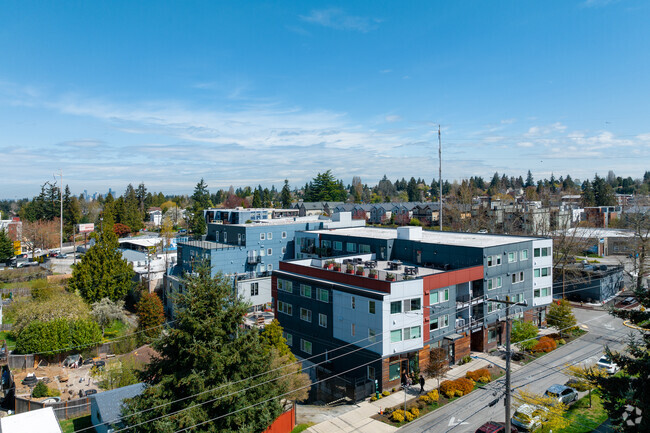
(301, 427)
(117, 329)
(74, 424)
(584, 419)
(11, 341)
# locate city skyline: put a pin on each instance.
(244, 94)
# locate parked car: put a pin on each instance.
(51, 400)
(528, 417)
(628, 301)
(90, 392)
(495, 427)
(561, 393)
(606, 364)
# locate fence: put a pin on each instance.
(18, 291)
(62, 409)
(20, 361)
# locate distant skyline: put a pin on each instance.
(248, 93)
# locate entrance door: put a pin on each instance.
(452, 353)
(418, 257)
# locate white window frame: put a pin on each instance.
(304, 288)
(255, 289)
(285, 285)
(269, 236)
(262, 236)
(523, 255)
(512, 257)
(269, 251)
(285, 308)
(395, 332)
(303, 346)
(320, 297)
(307, 313)
(322, 320)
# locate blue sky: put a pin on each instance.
(163, 92)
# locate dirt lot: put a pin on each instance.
(78, 379)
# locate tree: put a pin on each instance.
(201, 199)
(325, 187)
(6, 246)
(285, 195)
(560, 316)
(151, 316)
(257, 201)
(550, 411)
(42, 234)
(58, 336)
(106, 311)
(121, 230)
(118, 374)
(523, 331)
(587, 377)
(438, 364)
(102, 272)
(211, 353)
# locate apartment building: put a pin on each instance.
(400, 293)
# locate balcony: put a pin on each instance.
(252, 260)
(465, 301)
(472, 325)
(307, 249)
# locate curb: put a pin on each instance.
(638, 328)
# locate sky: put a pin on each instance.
(254, 92)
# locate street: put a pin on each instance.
(468, 413)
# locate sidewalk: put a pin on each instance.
(359, 419)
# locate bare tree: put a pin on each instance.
(438, 364)
(41, 234)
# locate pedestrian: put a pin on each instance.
(421, 384)
(404, 380)
(409, 382)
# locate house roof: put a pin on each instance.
(109, 403)
(40, 420)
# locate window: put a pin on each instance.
(353, 302)
(519, 297)
(255, 289)
(396, 336)
(492, 335)
(546, 272)
(322, 320)
(284, 250)
(351, 248)
(517, 277)
(371, 373)
(536, 273)
(338, 246)
(433, 298)
(284, 235)
(412, 333)
(326, 244)
(305, 315)
(262, 236)
(494, 260)
(353, 330)
(364, 249)
(305, 346)
(269, 236)
(445, 295)
(323, 295)
(412, 304)
(305, 290)
(545, 252)
(285, 286)
(285, 308)
(288, 337)
(536, 252)
(393, 371)
(262, 252)
(371, 307)
(371, 335)
(523, 255)
(395, 307)
(269, 267)
(494, 283)
(439, 322)
(269, 252)
(540, 293)
(225, 237)
(541, 252)
(512, 257)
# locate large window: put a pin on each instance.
(255, 289)
(351, 248)
(395, 307)
(540, 293)
(412, 333)
(323, 295)
(438, 296)
(393, 371)
(396, 336)
(494, 283)
(322, 320)
(364, 249)
(494, 260)
(512, 257)
(285, 286)
(414, 304)
(523, 255)
(541, 252)
(338, 246)
(305, 346)
(305, 315)
(285, 308)
(305, 290)
(439, 322)
(371, 307)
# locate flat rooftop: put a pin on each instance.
(478, 240)
(277, 221)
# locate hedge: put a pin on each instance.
(481, 375)
(545, 344)
(457, 388)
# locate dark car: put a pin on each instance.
(495, 427)
(629, 300)
(90, 392)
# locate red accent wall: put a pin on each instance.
(284, 423)
(337, 277)
(445, 279)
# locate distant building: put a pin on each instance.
(106, 407)
(588, 283)
(155, 216)
(601, 216)
(601, 241)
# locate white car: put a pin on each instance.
(563, 394)
(528, 417)
(606, 364)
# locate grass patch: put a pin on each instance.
(302, 427)
(75, 424)
(9, 337)
(116, 329)
(584, 419)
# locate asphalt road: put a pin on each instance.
(469, 413)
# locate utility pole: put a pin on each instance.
(508, 303)
(440, 177)
(61, 219)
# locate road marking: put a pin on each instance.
(584, 326)
(453, 423)
(608, 326)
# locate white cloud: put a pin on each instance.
(339, 20)
(393, 118)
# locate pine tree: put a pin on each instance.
(6, 246)
(529, 180)
(208, 352)
(257, 200)
(285, 195)
(102, 272)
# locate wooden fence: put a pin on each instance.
(62, 410)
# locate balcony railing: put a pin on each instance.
(254, 260)
(464, 301)
(463, 325)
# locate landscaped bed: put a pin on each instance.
(448, 391)
(584, 418)
(547, 344)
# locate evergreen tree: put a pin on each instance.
(412, 190)
(201, 201)
(257, 200)
(285, 195)
(588, 197)
(603, 192)
(102, 272)
(529, 180)
(6, 247)
(71, 212)
(325, 187)
(208, 352)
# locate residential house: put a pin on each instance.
(40, 421)
(106, 407)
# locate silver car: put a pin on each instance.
(606, 364)
(561, 393)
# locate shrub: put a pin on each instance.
(40, 390)
(481, 375)
(458, 393)
(464, 385)
(392, 390)
(425, 398)
(433, 395)
(545, 344)
(385, 393)
(409, 416)
(561, 342)
(528, 344)
(448, 388)
(379, 397)
(397, 417)
(415, 411)
(373, 398)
